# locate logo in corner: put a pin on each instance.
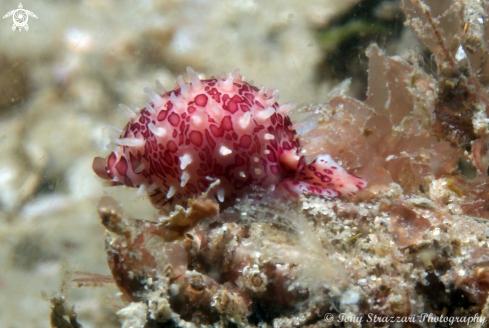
(20, 17)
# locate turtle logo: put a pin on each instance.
(20, 17)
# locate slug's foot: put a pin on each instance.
(323, 177)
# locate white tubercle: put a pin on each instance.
(275, 96)
(227, 85)
(257, 171)
(220, 195)
(174, 99)
(261, 92)
(256, 159)
(266, 113)
(224, 151)
(157, 131)
(116, 129)
(194, 79)
(272, 96)
(184, 87)
(149, 108)
(266, 151)
(140, 168)
(269, 136)
(180, 80)
(159, 87)
(129, 112)
(155, 98)
(172, 191)
(129, 142)
(152, 187)
(295, 126)
(285, 108)
(185, 160)
(135, 108)
(270, 91)
(185, 177)
(245, 120)
(142, 189)
(184, 90)
(111, 146)
(237, 76)
(242, 174)
(196, 119)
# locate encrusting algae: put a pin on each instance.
(230, 251)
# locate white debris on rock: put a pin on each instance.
(134, 315)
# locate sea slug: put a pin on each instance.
(217, 129)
